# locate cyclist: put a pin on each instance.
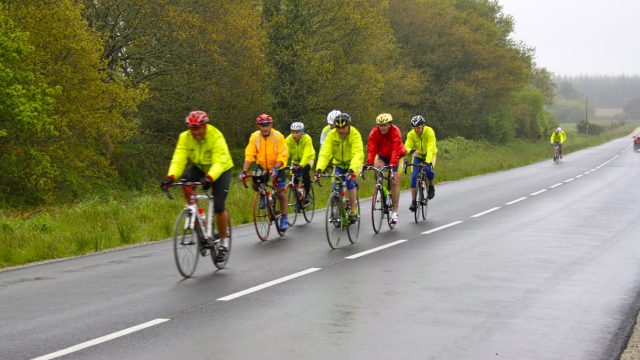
(385, 141)
(421, 143)
(558, 136)
(302, 153)
(268, 149)
(344, 147)
(202, 154)
(330, 117)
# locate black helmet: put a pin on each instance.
(342, 120)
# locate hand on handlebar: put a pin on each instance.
(166, 183)
(242, 175)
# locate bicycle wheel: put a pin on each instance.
(421, 201)
(391, 224)
(333, 221)
(185, 243)
(292, 204)
(214, 251)
(354, 229)
(309, 210)
(261, 217)
(377, 210)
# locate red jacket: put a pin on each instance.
(388, 146)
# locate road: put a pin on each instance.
(538, 262)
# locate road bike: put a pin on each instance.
(556, 152)
(337, 212)
(422, 202)
(381, 203)
(194, 232)
(297, 200)
(265, 203)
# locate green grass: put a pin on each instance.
(123, 218)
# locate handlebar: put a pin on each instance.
(421, 165)
(381, 170)
(182, 182)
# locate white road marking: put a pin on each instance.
(538, 192)
(579, 176)
(441, 227)
(516, 200)
(355, 256)
(485, 212)
(555, 185)
(268, 284)
(100, 340)
(569, 180)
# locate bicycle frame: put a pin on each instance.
(421, 199)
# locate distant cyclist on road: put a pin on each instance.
(202, 154)
(421, 143)
(268, 149)
(302, 153)
(558, 136)
(330, 117)
(385, 142)
(344, 147)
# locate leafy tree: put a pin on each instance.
(632, 108)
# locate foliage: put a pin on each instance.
(605, 91)
(571, 110)
(632, 108)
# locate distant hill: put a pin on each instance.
(605, 91)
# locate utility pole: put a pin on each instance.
(586, 113)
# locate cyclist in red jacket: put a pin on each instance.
(385, 141)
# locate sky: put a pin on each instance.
(579, 37)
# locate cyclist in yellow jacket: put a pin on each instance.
(202, 154)
(268, 150)
(421, 143)
(302, 154)
(344, 147)
(558, 136)
(330, 117)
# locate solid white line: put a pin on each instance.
(555, 185)
(569, 180)
(538, 192)
(485, 212)
(100, 340)
(516, 200)
(587, 173)
(579, 176)
(268, 284)
(441, 227)
(355, 256)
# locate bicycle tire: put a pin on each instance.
(333, 221)
(309, 210)
(261, 217)
(377, 209)
(388, 211)
(214, 253)
(423, 202)
(292, 204)
(353, 230)
(186, 245)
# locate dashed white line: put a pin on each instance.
(555, 186)
(538, 192)
(441, 227)
(579, 176)
(569, 180)
(355, 256)
(516, 200)
(485, 212)
(100, 340)
(268, 284)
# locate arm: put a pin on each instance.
(431, 144)
(221, 160)
(398, 148)
(283, 154)
(372, 146)
(309, 153)
(357, 151)
(180, 157)
(325, 153)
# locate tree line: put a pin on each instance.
(94, 93)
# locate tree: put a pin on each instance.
(632, 108)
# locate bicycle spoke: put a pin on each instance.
(185, 244)
(261, 217)
(377, 210)
(333, 221)
(309, 209)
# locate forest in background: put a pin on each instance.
(94, 93)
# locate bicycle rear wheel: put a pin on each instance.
(292, 204)
(261, 217)
(309, 210)
(214, 251)
(186, 247)
(377, 210)
(354, 229)
(333, 221)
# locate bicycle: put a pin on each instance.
(422, 202)
(381, 203)
(194, 232)
(297, 200)
(556, 152)
(264, 204)
(337, 213)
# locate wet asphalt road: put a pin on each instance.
(539, 262)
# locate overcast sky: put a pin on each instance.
(580, 37)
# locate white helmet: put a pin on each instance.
(332, 115)
(297, 126)
(558, 129)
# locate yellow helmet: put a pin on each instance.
(384, 119)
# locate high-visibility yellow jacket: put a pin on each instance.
(558, 137)
(301, 152)
(211, 154)
(425, 143)
(323, 134)
(267, 151)
(347, 153)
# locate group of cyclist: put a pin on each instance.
(202, 154)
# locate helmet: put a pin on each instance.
(557, 130)
(297, 126)
(332, 115)
(342, 120)
(264, 119)
(417, 121)
(384, 119)
(196, 118)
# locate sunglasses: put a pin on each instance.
(196, 127)
(384, 125)
(264, 124)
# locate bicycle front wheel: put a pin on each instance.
(377, 210)
(309, 209)
(333, 221)
(222, 262)
(185, 243)
(354, 228)
(261, 216)
(421, 210)
(293, 205)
